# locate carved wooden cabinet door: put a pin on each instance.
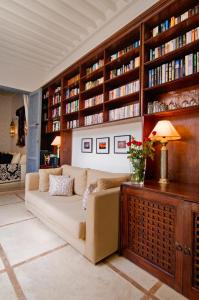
(151, 233)
(191, 251)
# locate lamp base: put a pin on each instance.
(163, 180)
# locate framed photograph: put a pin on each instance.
(87, 145)
(102, 145)
(120, 142)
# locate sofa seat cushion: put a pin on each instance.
(94, 175)
(79, 175)
(66, 211)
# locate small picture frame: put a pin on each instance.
(103, 145)
(120, 144)
(87, 145)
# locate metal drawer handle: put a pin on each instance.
(178, 246)
(187, 251)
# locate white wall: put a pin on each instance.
(9, 103)
(106, 162)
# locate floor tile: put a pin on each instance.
(9, 199)
(24, 240)
(21, 195)
(13, 213)
(65, 274)
(6, 290)
(134, 272)
(167, 293)
(1, 265)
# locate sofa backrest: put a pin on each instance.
(79, 175)
(94, 175)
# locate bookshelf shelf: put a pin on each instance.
(174, 112)
(123, 58)
(173, 32)
(71, 99)
(123, 100)
(174, 84)
(72, 114)
(92, 108)
(180, 52)
(93, 75)
(98, 89)
(123, 78)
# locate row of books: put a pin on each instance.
(174, 69)
(56, 112)
(56, 99)
(91, 84)
(95, 66)
(123, 51)
(73, 80)
(174, 21)
(72, 124)
(174, 44)
(124, 112)
(93, 119)
(46, 95)
(124, 90)
(57, 90)
(72, 106)
(72, 92)
(56, 126)
(94, 101)
(45, 116)
(134, 63)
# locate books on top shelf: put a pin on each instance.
(73, 80)
(174, 69)
(56, 112)
(72, 92)
(123, 51)
(56, 126)
(134, 63)
(94, 101)
(95, 66)
(174, 21)
(72, 124)
(93, 119)
(91, 84)
(128, 111)
(174, 44)
(72, 106)
(124, 90)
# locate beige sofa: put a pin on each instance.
(93, 232)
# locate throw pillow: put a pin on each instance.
(16, 158)
(91, 188)
(44, 177)
(60, 185)
(108, 183)
(6, 158)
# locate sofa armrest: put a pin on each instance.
(32, 181)
(23, 172)
(102, 224)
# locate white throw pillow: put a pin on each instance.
(60, 185)
(16, 158)
(91, 188)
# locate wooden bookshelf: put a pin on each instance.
(116, 53)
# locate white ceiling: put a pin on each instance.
(36, 36)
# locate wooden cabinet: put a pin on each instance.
(159, 231)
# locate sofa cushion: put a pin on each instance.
(108, 183)
(79, 175)
(44, 177)
(66, 211)
(94, 175)
(16, 158)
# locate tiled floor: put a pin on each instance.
(35, 264)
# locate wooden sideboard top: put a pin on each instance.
(188, 192)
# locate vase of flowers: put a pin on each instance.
(137, 154)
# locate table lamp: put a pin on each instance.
(57, 142)
(164, 132)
